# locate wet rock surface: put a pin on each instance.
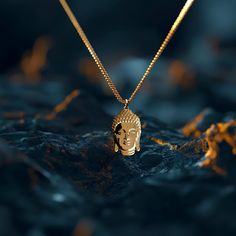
(60, 176)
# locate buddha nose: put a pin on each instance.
(126, 135)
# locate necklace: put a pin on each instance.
(126, 126)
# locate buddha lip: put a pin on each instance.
(126, 142)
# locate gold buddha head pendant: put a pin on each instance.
(126, 128)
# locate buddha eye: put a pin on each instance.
(133, 131)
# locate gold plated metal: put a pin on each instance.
(111, 85)
(126, 125)
(126, 128)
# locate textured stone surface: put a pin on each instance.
(61, 177)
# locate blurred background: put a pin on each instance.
(41, 51)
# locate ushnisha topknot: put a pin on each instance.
(126, 116)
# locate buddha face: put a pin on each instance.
(126, 136)
(126, 128)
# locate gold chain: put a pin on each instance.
(111, 85)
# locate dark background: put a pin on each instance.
(197, 70)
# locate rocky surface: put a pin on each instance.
(60, 176)
(58, 172)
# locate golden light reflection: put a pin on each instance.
(190, 129)
(16, 115)
(164, 143)
(34, 61)
(84, 228)
(181, 75)
(63, 105)
(215, 135)
(88, 68)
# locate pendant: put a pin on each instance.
(126, 128)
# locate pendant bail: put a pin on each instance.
(126, 103)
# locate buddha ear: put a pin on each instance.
(116, 148)
(137, 146)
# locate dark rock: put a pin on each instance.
(60, 176)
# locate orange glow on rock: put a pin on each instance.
(190, 129)
(216, 134)
(181, 75)
(63, 105)
(34, 61)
